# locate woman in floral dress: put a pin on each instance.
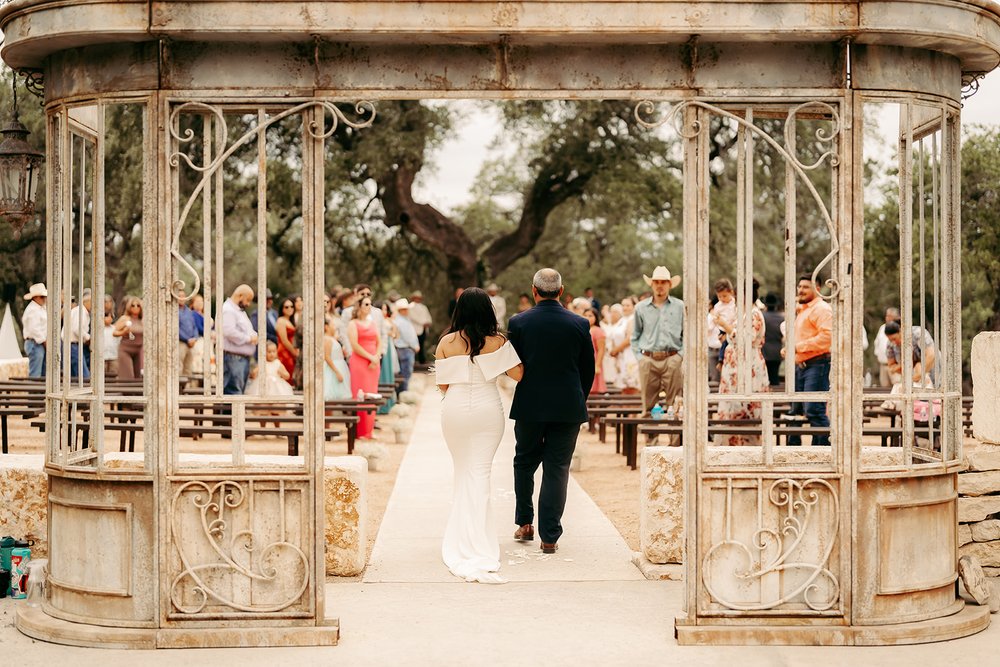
(757, 369)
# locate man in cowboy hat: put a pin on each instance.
(420, 315)
(499, 304)
(658, 339)
(34, 329)
(406, 342)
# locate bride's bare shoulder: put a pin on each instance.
(493, 343)
(450, 345)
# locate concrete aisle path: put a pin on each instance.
(585, 606)
(408, 547)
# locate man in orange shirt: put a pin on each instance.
(813, 332)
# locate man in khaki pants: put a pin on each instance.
(657, 340)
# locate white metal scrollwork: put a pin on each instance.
(674, 115)
(365, 110)
(772, 549)
(238, 553)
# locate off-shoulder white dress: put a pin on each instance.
(473, 422)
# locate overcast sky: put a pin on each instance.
(459, 159)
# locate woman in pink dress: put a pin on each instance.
(366, 359)
(597, 337)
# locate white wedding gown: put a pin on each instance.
(473, 422)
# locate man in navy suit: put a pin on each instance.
(549, 405)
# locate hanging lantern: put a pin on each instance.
(20, 169)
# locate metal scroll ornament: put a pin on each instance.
(777, 552)
(333, 119)
(675, 116)
(237, 554)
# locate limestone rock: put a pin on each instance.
(982, 458)
(964, 533)
(977, 509)
(985, 531)
(986, 386)
(992, 571)
(23, 503)
(979, 483)
(971, 573)
(987, 553)
(346, 502)
(409, 397)
(661, 520)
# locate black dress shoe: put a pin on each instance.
(525, 533)
(549, 548)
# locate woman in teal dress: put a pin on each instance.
(390, 362)
(336, 375)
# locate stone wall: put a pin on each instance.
(979, 485)
(979, 507)
(13, 368)
(23, 506)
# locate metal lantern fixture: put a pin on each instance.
(20, 166)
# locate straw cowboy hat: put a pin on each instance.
(38, 289)
(401, 304)
(661, 273)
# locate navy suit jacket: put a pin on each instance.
(558, 355)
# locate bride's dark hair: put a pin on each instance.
(474, 318)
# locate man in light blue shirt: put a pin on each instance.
(658, 339)
(406, 343)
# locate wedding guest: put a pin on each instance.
(813, 335)
(499, 304)
(35, 329)
(924, 353)
(628, 364)
(885, 378)
(128, 330)
(454, 301)
(285, 330)
(597, 338)
(657, 340)
(524, 302)
(390, 360)
(420, 316)
(773, 319)
(111, 341)
(731, 372)
(270, 317)
(187, 333)
(79, 336)
(714, 341)
(273, 379)
(336, 375)
(406, 343)
(610, 327)
(589, 294)
(365, 361)
(239, 340)
(198, 351)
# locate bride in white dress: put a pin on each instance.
(469, 361)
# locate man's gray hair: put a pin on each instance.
(547, 282)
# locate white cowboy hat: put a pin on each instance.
(38, 289)
(661, 273)
(402, 304)
(492, 287)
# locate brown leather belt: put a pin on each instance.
(659, 355)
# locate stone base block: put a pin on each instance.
(657, 571)
(24, 487)
(978, 483)
(13, 368)
(967, 621)
(971, 510)
(661, 513)
(35, 623)
(986, 386)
